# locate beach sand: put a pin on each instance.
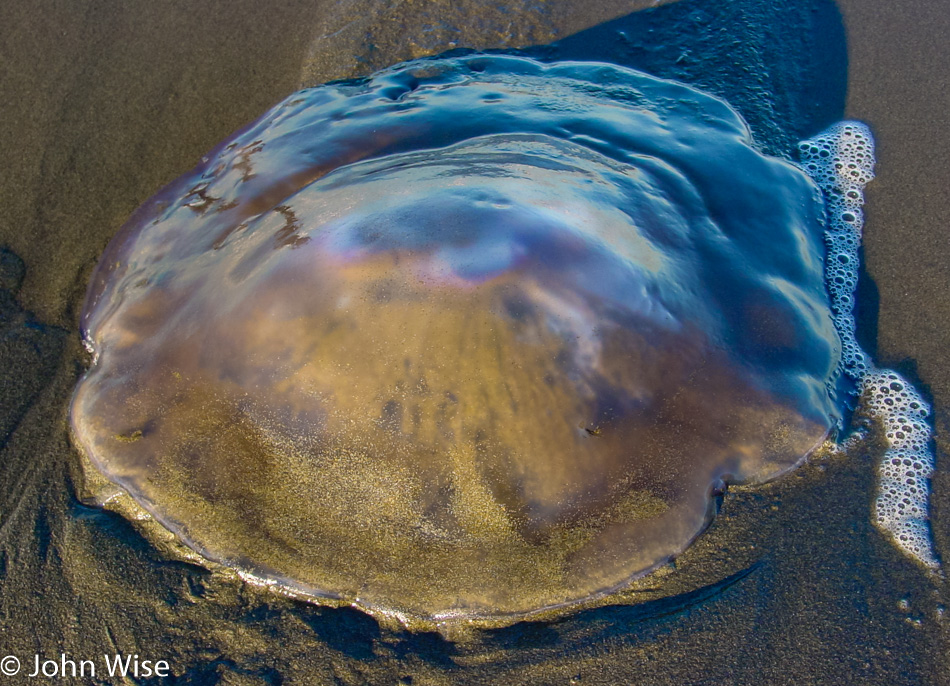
(101, 104)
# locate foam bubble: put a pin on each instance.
(841, 161)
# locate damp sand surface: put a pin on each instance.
(103, 104)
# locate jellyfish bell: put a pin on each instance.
(470, 339)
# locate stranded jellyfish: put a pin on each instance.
(471, 338)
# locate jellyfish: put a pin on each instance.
(474, 337)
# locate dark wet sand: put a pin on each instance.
(100, 104)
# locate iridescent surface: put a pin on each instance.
(475, 337)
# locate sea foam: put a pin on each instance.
(841, 161)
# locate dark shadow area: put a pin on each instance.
(783, 65)
(867, 303)
(346, 630)
(222, 671)
(608, 622)
(429, 647)
(531, 640)
(113, 526)
(30, 349)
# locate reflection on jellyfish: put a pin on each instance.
(471, 338)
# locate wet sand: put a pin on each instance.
(102, 104)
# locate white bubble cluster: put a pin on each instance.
(905, 471)
(841, 162)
